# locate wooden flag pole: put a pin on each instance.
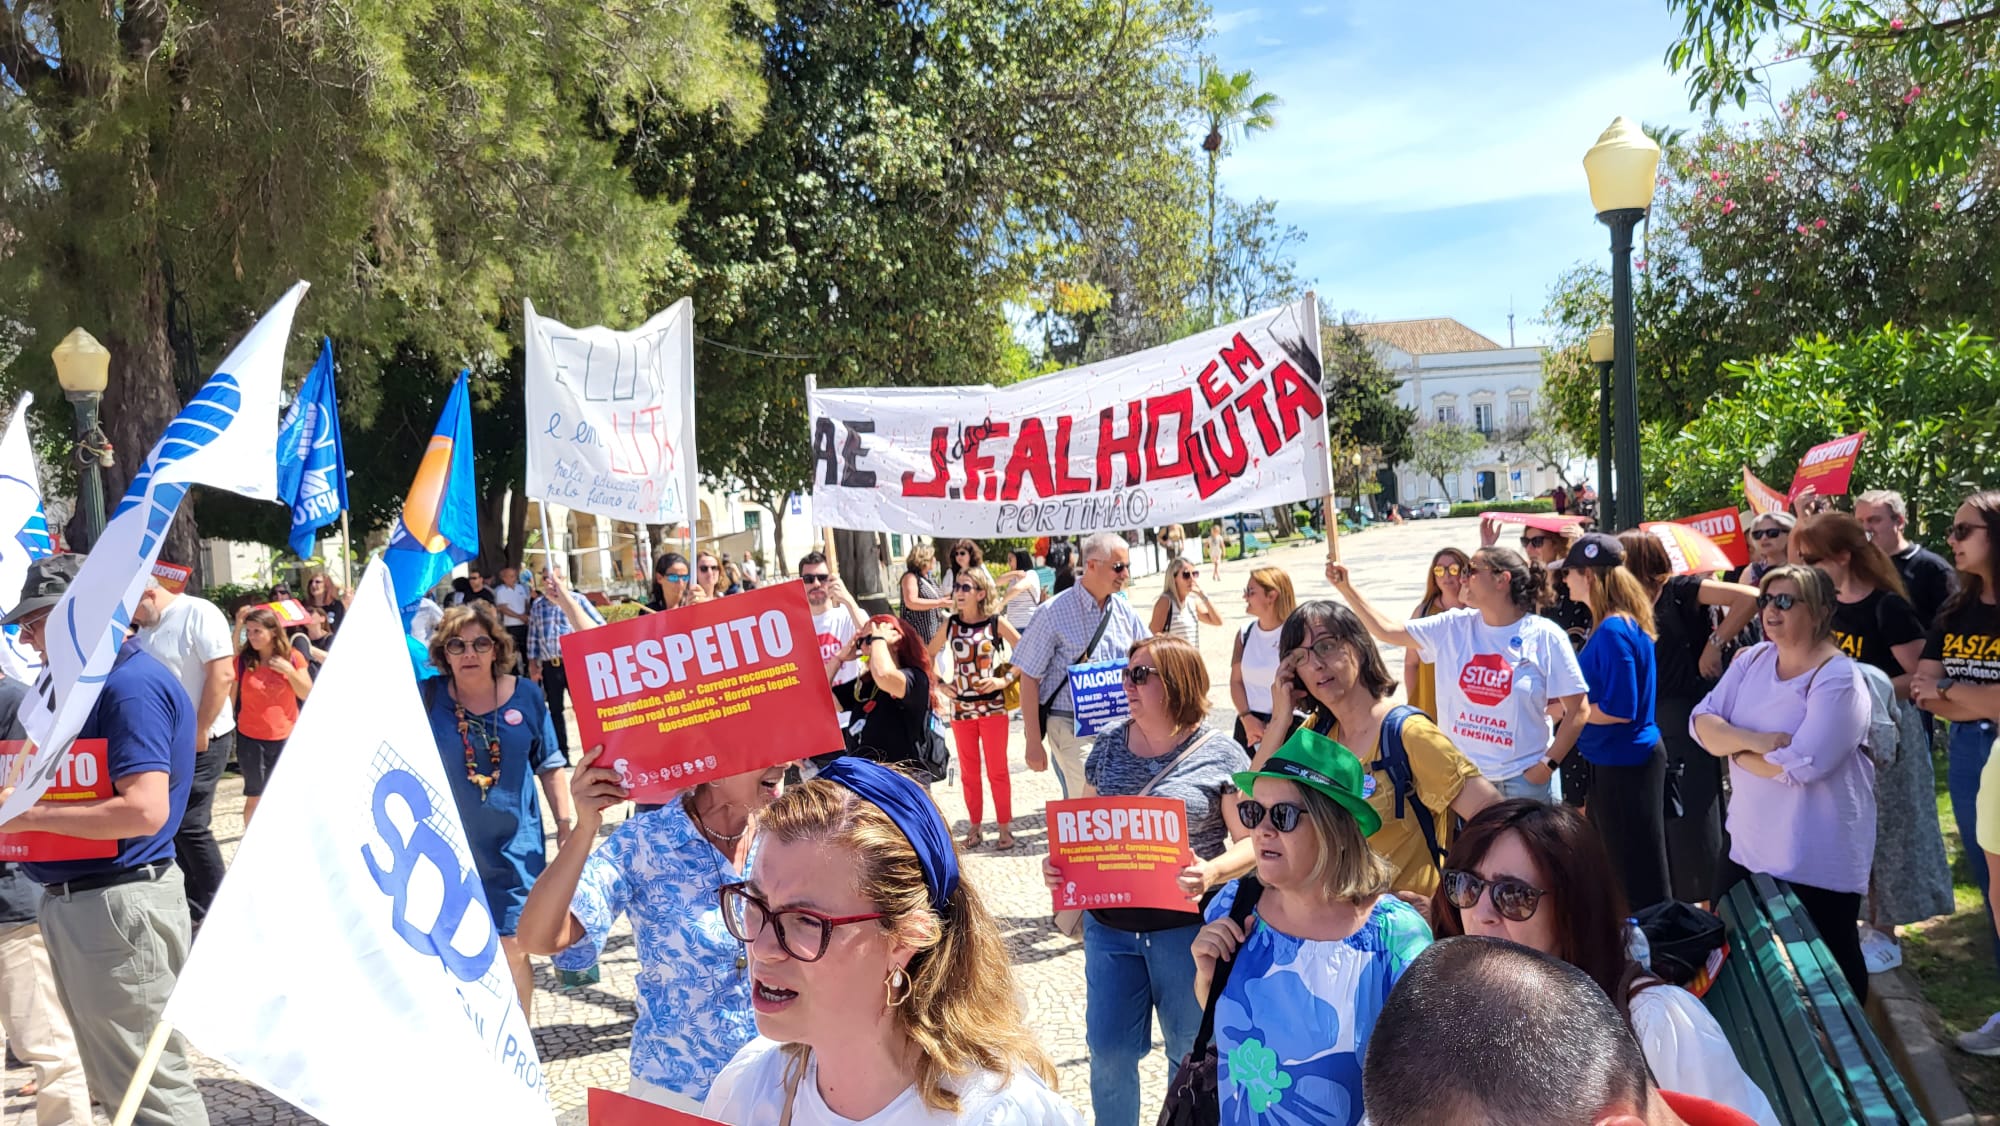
(1329, 516)
(135, 1091)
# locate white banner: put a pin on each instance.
(350, 964)
(611, 417)
(24, 537)
(227, 438)
(1227, 420)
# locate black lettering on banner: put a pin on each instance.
(845, 470)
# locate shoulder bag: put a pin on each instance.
(1194, 1098)
(1070, 922)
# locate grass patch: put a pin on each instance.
(1951, 959)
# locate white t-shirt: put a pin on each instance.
(1688, 1053)
(192, 632)
(1260, 666)
(1494, 685)
(748, 569)
(835, 627)
(513, 598)
(751, 1092)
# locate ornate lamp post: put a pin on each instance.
(83, 367)
(1602, 352)
(1621, 167)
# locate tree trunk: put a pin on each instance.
(141, 400)
(1213, 157)
(1281, 521)
(861, 570)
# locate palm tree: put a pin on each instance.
(1232, 110)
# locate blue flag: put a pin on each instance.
(312, 468)
(439, 525)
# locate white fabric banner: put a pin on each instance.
(350, 964)
(1224, 421)
(611, 416)
(24, 536)
(227, 438)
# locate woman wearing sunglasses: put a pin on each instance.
(1136, 960)
(1792, 715)
(1536, 874)
(671, 577)
(965, 556)
(882, 987)
(1770, 546)
(1314, 963)
(1182, 608)
(975, 637)
(493, 731)
(1268, 598)
(1442, 587)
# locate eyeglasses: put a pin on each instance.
(965, 588)
(814, 580)
(1326, 649)
(1454, 570)
(1138, 675)
(1515, 900)
(1285, 816)
(1476, 569)
(1768, 533)
(1963, 531)
(1533, 541)
(802, 933)
(457, 646)
(1781, 601)
(1810, 560)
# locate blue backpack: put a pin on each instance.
(1394, 761)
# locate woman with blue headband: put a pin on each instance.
(881, 985)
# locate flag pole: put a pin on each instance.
(135, 1091)
(549, 540)
(826, 545)
(346, 555)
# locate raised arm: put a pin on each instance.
(1380, 626)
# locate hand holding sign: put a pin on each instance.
(1120, 852)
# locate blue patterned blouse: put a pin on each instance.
(694, 992)
(1294, 1019)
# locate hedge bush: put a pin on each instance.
(1475, 507)
(620, 611)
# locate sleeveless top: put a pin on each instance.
(1181, 622)
(975, 650)
(924, 622)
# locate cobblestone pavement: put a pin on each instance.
(583, 1034)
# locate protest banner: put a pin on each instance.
(1119, 852)
(173, 577)
(615, 1108)
(611, 416)
(1828, 466)
(706, 691)
(1762, 499)
(81, 776)
(1724, 528)
(1226, 420)
(1097, 692)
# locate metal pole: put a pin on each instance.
(1631, 489)
(90, 472)
(1606, 511)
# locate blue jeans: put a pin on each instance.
(1128, 977)
(1519, 787)
(1967, 751)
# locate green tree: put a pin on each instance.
(167, 168)
(1254, 265)
(1442, 450)
(1545, 440)
(1232, 109)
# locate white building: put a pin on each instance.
(1450, 373)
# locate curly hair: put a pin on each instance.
(457, 618)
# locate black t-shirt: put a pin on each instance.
(1928, 577)
(880, 726)
(1869, 629)
(1682, 622)
(483, 594)
(1572, 616)
(1968, 644)
(334, 613)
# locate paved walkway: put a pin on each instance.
(583, 1034)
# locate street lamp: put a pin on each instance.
(1621, 167)
(82, 367)
(1602, 352)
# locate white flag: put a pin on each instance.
(227, 438)
(350, 963)
(24, 536)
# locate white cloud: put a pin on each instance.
(1222, 23)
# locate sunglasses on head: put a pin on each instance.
(457, 646)
(1963, 531)
(1285, 815)
(812, 580)
(1781, 601)
(1454, 570)
(1515, 900)
(1138, 675)
(1768, 533)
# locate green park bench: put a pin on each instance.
(1251, 544)
(1796, 1026)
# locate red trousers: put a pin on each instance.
(984, 739)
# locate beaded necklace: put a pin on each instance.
(467, 728)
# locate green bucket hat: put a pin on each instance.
(1311, 759)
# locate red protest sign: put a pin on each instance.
(83, 776)
(613, 1108)
(173, 576)
(717, 688)
(1828, 466)
(1724, 526)
(1119, 852)
(1763, 499)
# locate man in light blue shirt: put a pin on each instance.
(1060, 636)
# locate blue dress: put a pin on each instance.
(1293, 1022)
(504, 830)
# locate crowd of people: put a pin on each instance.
(1587, 735)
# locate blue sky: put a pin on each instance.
(1432, 149)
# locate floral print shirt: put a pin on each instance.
(1293, 1021)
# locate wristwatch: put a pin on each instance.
(1944, 684)
(1554, 766)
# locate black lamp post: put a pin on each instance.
(1601, 355)
(1621, 167)
(82, 367)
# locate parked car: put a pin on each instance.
(1432, 509)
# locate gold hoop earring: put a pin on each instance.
(898, 979)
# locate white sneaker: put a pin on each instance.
(1984, 1042)
(1881, 952)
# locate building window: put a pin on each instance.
(1447, 413)
(1482, 417)
(1517, 412)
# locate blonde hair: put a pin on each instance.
(456, 619)
(962, 1012)
(1615, 590)
(1346, 869)
(1278, 582)
(920, 558)
(980, 577)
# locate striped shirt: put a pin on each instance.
(548, 625)
(1062, 627)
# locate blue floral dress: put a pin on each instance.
(1294, 1019)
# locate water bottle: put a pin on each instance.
(1636, 945)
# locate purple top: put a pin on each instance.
(1814, 824)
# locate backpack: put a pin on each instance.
(1393, 760)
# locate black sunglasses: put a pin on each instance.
(814, 580)
(1138, 675)
(456, 646)
(1963, 531)
(1768, 533)
(1533, 541)
(1120, 568)
(1515, 900)
(964, 588)
(1285, 816)
(1781, 601)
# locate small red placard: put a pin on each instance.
(173, 576)
(1119, 852)
(613, 1108)
(83, 776)
(1828, 466)
(1763, 499)
(706, 691)
(1725, 527)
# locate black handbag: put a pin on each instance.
(1194, 1098)
(1679, 939)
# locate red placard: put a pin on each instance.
(613, 1108)
(1120, 852)
(83, 776)
(1763, 499)
(173, 576)
(1828, 466)
(1725, 527)
(705, 691)
(1542, 521)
